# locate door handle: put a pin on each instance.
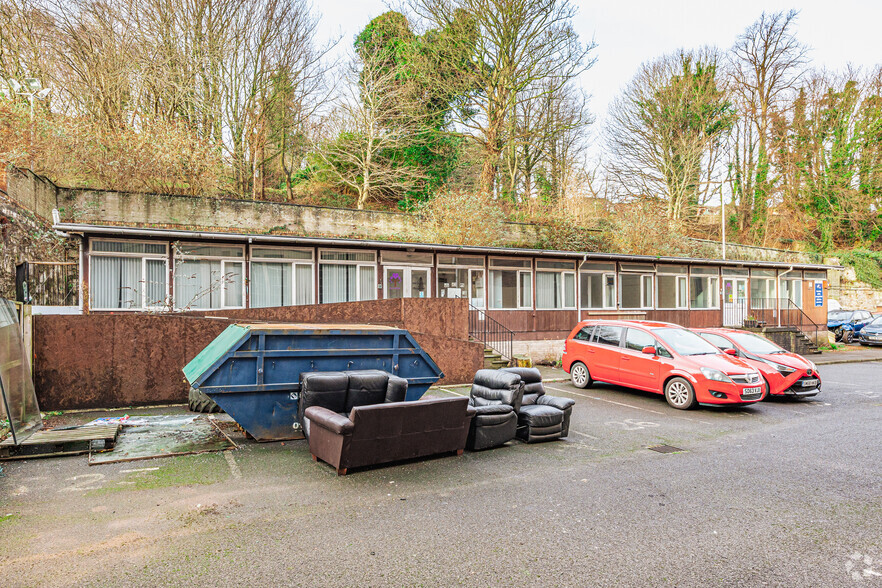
(624, 358)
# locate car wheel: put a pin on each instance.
(579, 375)
(846, 336)
(680, 394)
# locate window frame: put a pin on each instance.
(562, 295)
(184, 257)
(520, 304)
(707, 276)
(357, 263)
(642, 276)
(144, 257)
(282, 260)
(603, 275)
(679, 304)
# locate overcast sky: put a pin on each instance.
(629, 32)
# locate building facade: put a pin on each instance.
(537, 294)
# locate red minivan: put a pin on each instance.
(659, 357)
(785, 373)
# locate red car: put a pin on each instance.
(659, 357)
(786, 373)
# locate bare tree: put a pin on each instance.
(664, 129)
(765, 65)
(514, 43)
(376, 117)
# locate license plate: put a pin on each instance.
(809, 383)
(752, 391)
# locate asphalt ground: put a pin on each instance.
(781, 493)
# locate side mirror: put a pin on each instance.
(649, 350)
(731, 352)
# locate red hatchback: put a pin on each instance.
(662, 358)
(785, 373)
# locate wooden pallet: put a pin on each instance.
(63, 441)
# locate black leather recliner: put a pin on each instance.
(496, 397)
(339, 392)
(540, 417)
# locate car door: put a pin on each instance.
(637, 369)
(604, 365)
(578, 348)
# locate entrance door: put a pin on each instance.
(734, 301)
(406, 282)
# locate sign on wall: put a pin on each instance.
(819, 293)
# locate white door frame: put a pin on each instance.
(406, 277)
(736, 311)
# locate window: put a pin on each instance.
(636, 340)
(791, 289)
(762, 289)
(128, 275)
(281, 277)
(816, 276)
(405, 258)
(597, 285)
(608, 335)
(510, 288)
(584, 333)
(555, 284)
(672, 283)
(347, 276)
(209, 276)
(704, 284)
(461, 276)
(717, 340)
(636, 290)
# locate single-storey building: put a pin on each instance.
(536, 294)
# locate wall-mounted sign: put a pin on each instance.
(819, 293)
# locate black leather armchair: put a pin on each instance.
(540, 417)
(496, 397)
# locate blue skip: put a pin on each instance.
(252, 371)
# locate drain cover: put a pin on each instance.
(666, 449)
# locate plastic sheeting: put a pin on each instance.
(19, 412)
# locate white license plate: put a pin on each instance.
(809, 383)
(751, 391)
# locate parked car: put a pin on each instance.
(659, 357)
(845, 324)
(871, 333)
(785, 373)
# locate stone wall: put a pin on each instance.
(24, 236)
(851, 293)
(738, 251)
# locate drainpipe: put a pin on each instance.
(778, 290)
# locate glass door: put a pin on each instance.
(406, 282)
(734, 301)
(476, 288)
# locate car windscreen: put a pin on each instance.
(839, 315)
(685, 342)
(876, 322)
(755, 344)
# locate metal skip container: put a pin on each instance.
(252, 371)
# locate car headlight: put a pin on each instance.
(715, 375)
(784, 370)
(814, 367)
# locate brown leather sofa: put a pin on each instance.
(356, 418)
(381, 433)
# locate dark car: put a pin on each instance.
(871, 333)
(846, 324)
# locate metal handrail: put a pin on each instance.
(490, 332)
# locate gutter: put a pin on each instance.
(341, 242)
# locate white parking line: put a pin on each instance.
(449, 391)
(586, 435)
(628, 405)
